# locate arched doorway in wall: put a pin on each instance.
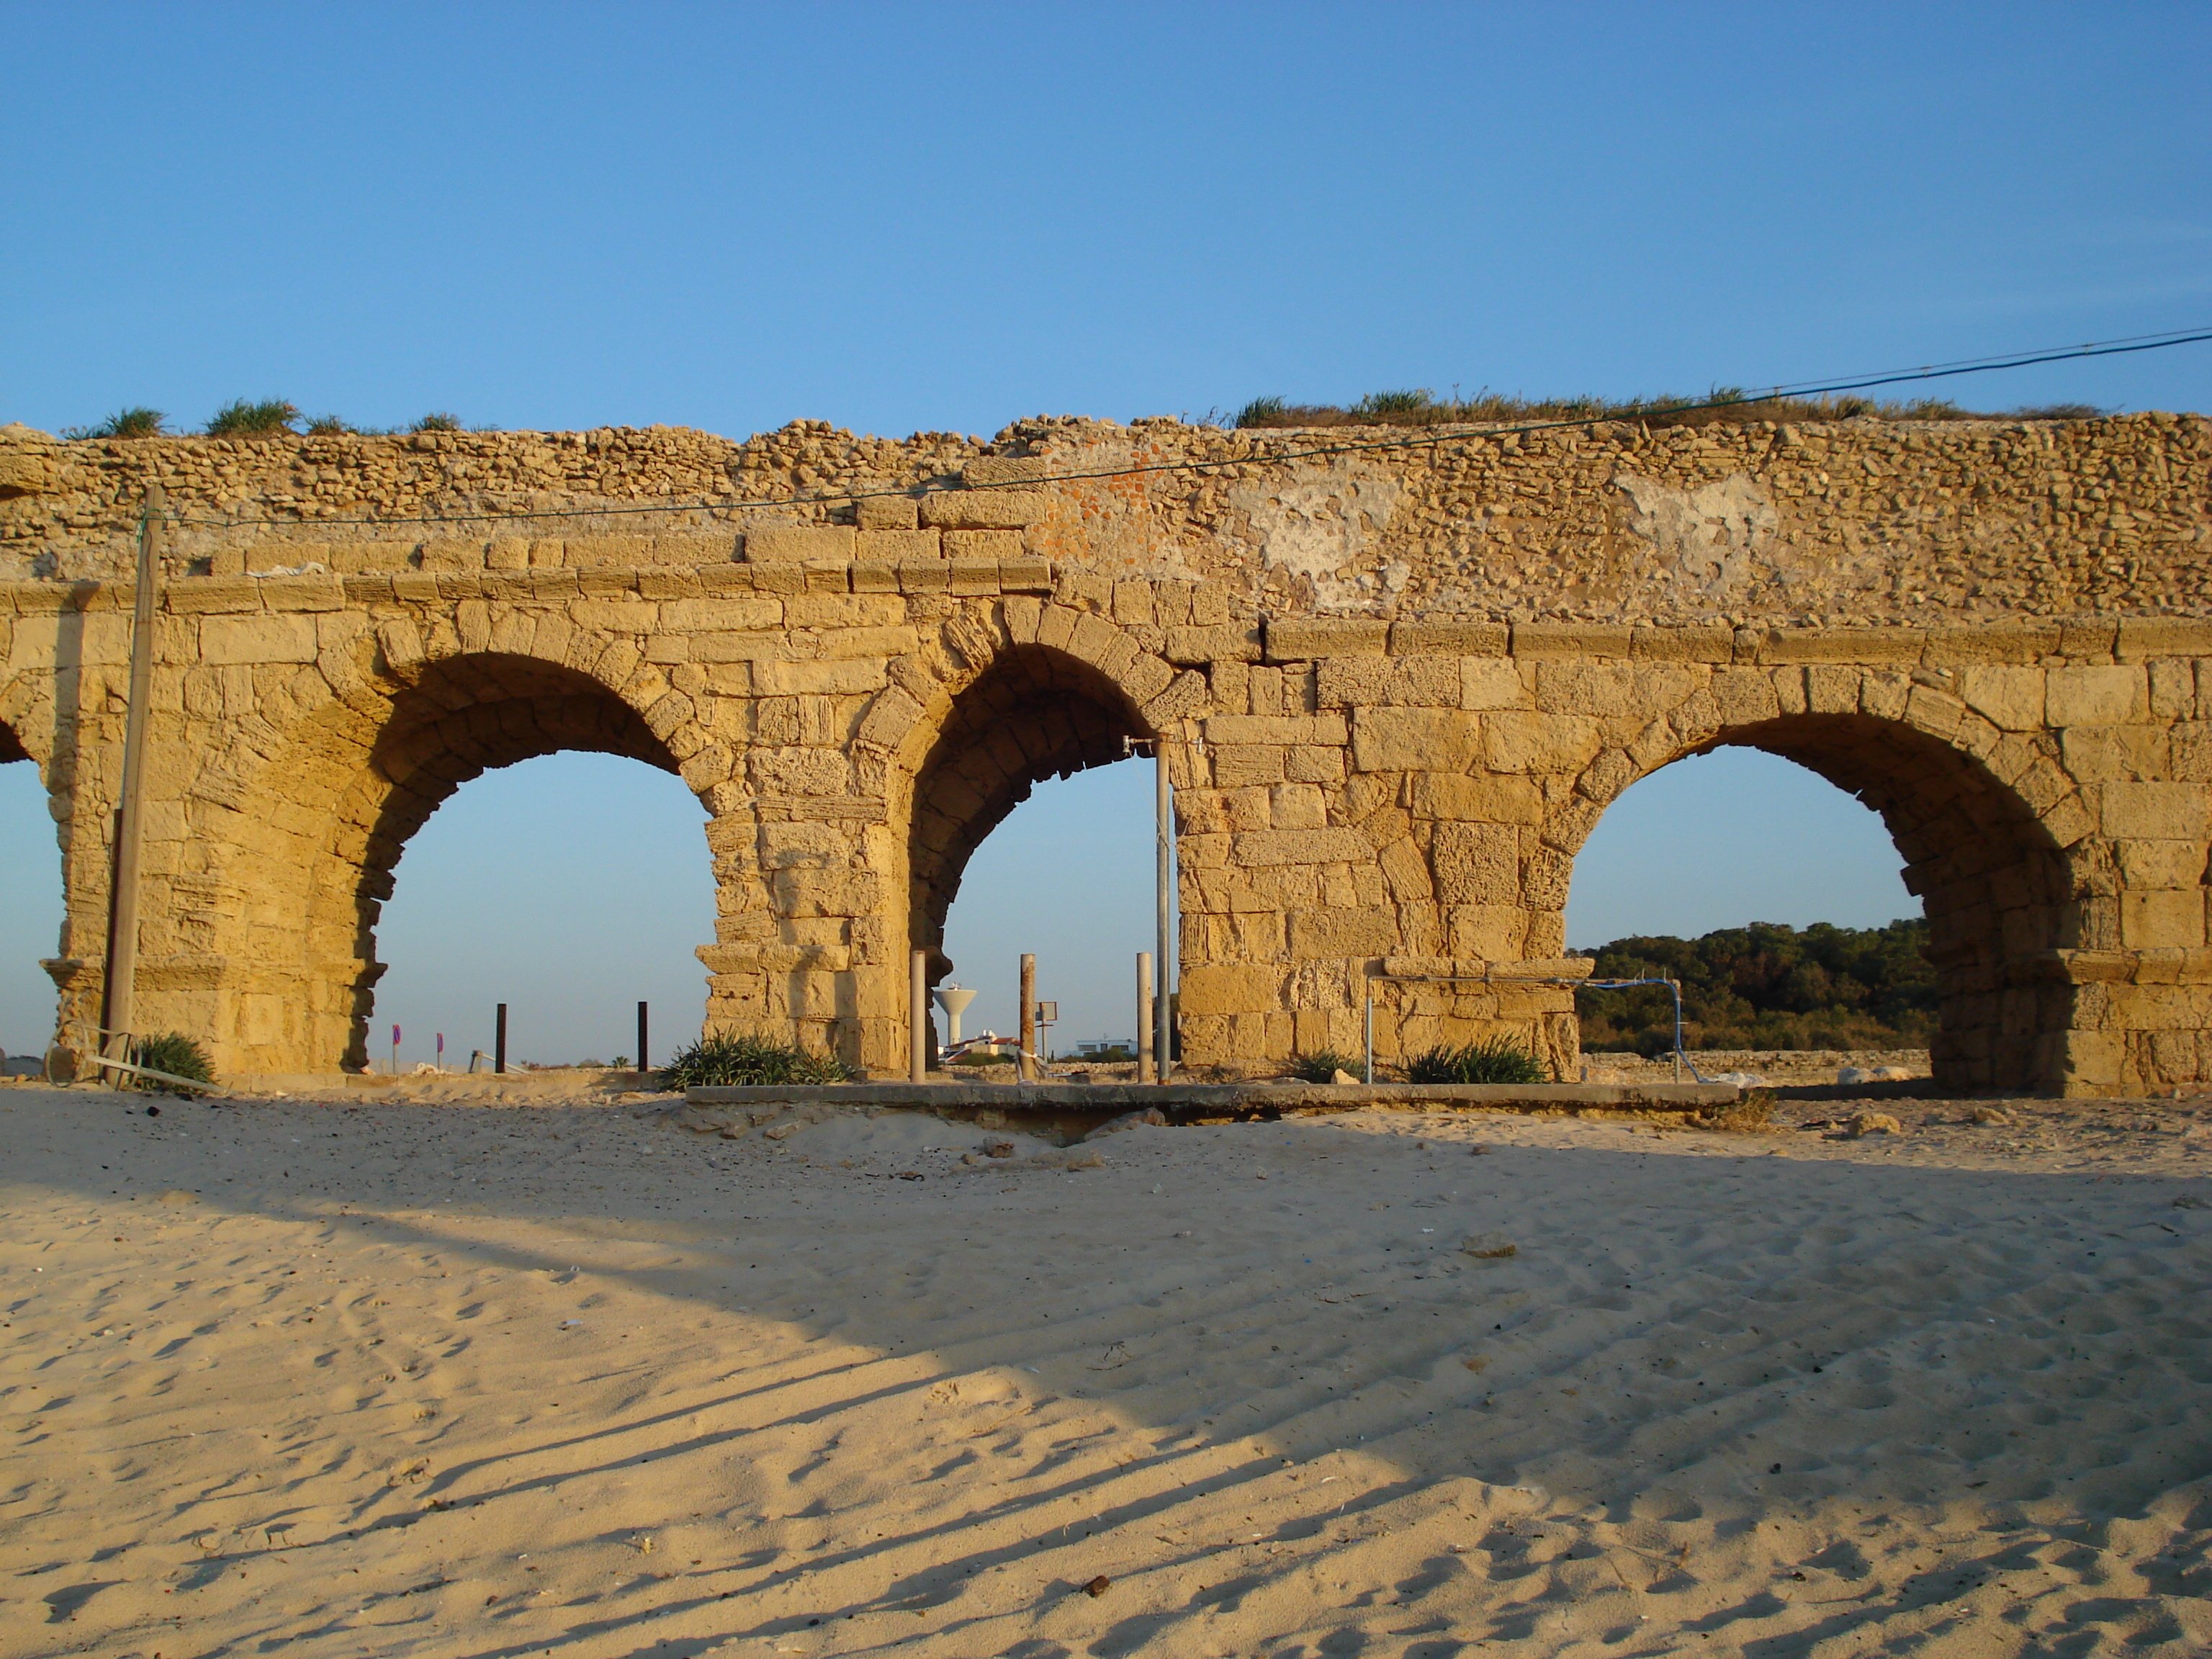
(1996, 890)
(30, 902)
(342, 806)
(1035, 756)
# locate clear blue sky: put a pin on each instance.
(949, 217)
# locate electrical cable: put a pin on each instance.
(2120, 346)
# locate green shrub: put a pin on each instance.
(327, 426)
(240, 419)
(137, 421)
(437, 421)
(1321, 1065)
(1493, 1059)
(172, 1052)
(728, 1059)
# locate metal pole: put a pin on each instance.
(1370, 1037)
(917, 1017)
(1163, 893)
(121, 1011)
(1675, 987)
(499, 1042)
(1146, 1070)
(1024, 1066)
(641, 1065)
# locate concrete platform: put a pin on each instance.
(1192, 1103)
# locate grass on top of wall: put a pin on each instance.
(1420, 407)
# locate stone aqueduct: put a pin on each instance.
(1395, 689)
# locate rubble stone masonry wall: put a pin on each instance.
(1395, 688)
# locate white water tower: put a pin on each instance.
(954, 1000)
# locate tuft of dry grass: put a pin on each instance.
(1420, 407)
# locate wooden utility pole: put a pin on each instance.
(917, 1017)
(1024, 1065)
(120, 1014)
(1164, 861)
(1144, 1050)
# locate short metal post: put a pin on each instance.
(499, 1042)
(917, 1017)
(1370, 1037)
(642, 1064)
(1147, 1071)
(1024, 1065)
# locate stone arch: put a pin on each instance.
(2001, 893)
(1034, 712)
(331, 813)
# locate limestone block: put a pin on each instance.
(1831, 689)
(1342, 844)
(1284, 729)
(263, 638)
(1186, 694)
(797, 846)
(1478, 797)
(802, 545)
(2160, 917)
(204, 595)
(988, 471)
(1314, 763)
(888, 511)
(2142, 638)
(1712, 643)
(982, 547)
(452, 553)
(802, 771)
(1450, 639)
(2156, 812)
(850, 675)
(843, 610)
(1477, 863)
(1491, 683)
(1291, 639)
(1414, 739)
(897, 546)
(2095, 695)
(1224, 643)
(807, 892)
(1430, 682)
(1343, 933)
(1208, 988)
(2173, 688)
(982, 509)
(2009, 641)
(1025, 575)
(1525, 741)
(1294, 807)
(1487, 932)
(2088, 1062)
(1533, 640)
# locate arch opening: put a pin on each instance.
(567, 886)
(1036, 714)
(344, 801)
(1997, 892)
(31, 902)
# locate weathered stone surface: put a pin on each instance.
(1392, 712)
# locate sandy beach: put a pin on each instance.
(344, 1378)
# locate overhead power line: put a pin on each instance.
(1802, 389)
